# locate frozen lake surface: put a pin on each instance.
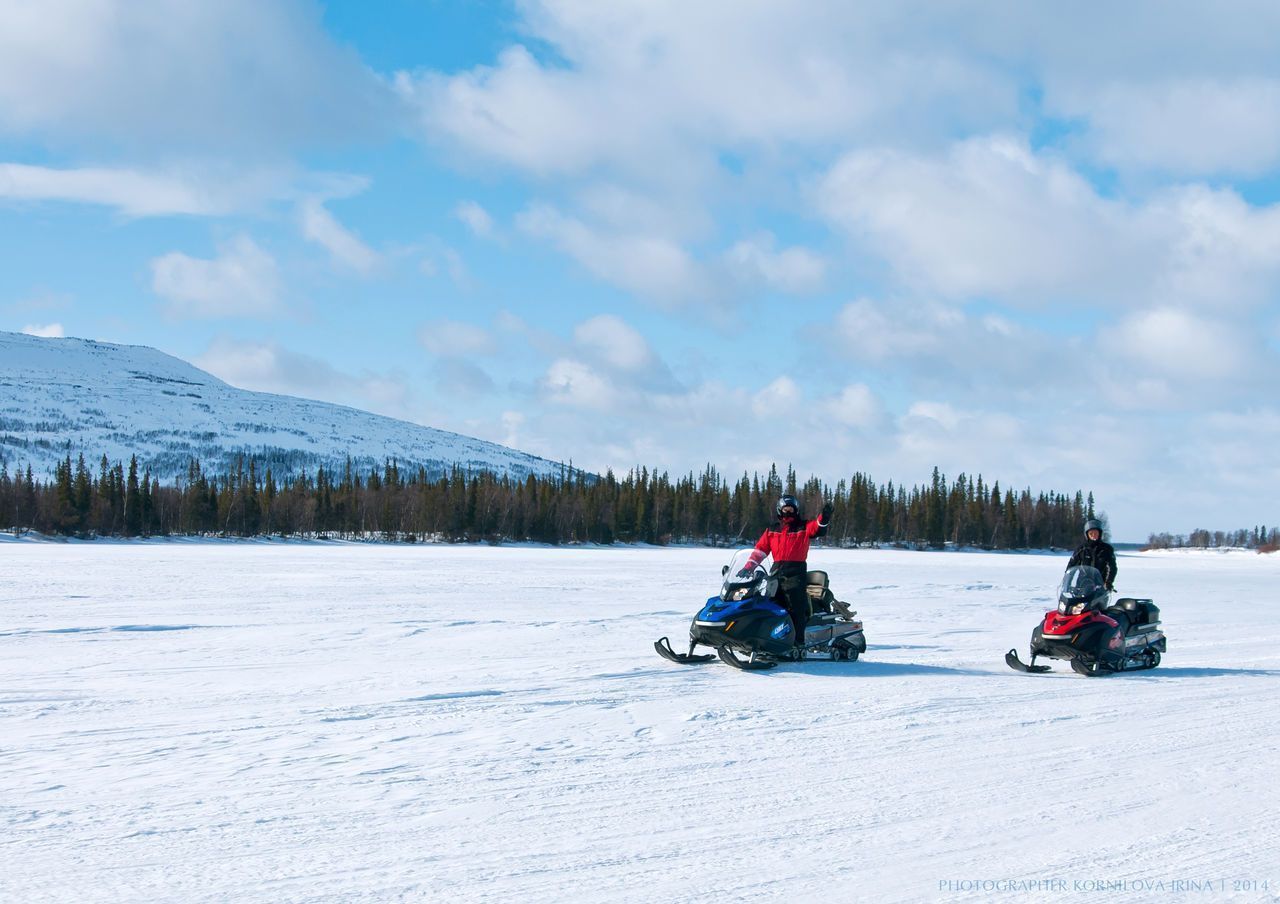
(294, 722)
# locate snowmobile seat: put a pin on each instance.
(1140, 612)
(1121, 616)
(818, 587)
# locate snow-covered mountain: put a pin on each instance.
(60, 396)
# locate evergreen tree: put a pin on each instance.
(8, 498)
(935, 511)
(66, 518)
(132, 501)
(82, 496)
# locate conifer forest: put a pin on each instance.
(643, 506)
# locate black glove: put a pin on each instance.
(826, 511)
(746, 572)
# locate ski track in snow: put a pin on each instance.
(209, 722)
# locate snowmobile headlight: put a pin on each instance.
(1075, 609)
(740, 594)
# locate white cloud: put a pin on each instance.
(577, 385)
(989, 219)
(42, 300)
(1155, 359)
(45, 331)
(196, 191)
(242, 280)
(649, 265)
(1224, 253)
(320, 226)
(270, 367)
(779, 399)
(512, 422)
(133, 192)
(938, 412)
(535, 337)
(515, 111)
(475, 217)
(657, 91)
(654, 89)
(206, 77)
(856, 407)
(451, 262)
(1181, 125)
(455, 339)
(1175, 342)
(873, 332)
(935, 433)
(658, 268)
(624, 356)
(795, 270)
(1171, 359)
(934, 347)
(609, 367)
(267, 367)
(615, 342)
(1239, 448)
(621, 208)
(992, 219)
(461, 377)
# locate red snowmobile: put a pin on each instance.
(1097, 638)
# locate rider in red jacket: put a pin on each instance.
(788, 543)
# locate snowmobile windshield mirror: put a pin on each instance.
(1081, 587)
(1081, 580)
(733, 583)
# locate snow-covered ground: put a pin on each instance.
(231, 722)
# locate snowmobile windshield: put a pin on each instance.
(738, 586)
(1081, 586)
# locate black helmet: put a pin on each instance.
(1092, 524)
(788, 501)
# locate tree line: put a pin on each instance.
(644, 505)
(1258, 537)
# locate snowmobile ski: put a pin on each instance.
(1011, 658)
(752, 664)
(1089, 669)
(663, 646)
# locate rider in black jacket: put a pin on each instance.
(1096, 552)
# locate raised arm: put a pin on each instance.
(818, 526)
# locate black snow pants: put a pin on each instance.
(792, 587)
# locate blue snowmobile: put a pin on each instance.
(749, 629)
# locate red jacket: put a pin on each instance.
(787, 545)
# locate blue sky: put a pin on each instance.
(1041, 244)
